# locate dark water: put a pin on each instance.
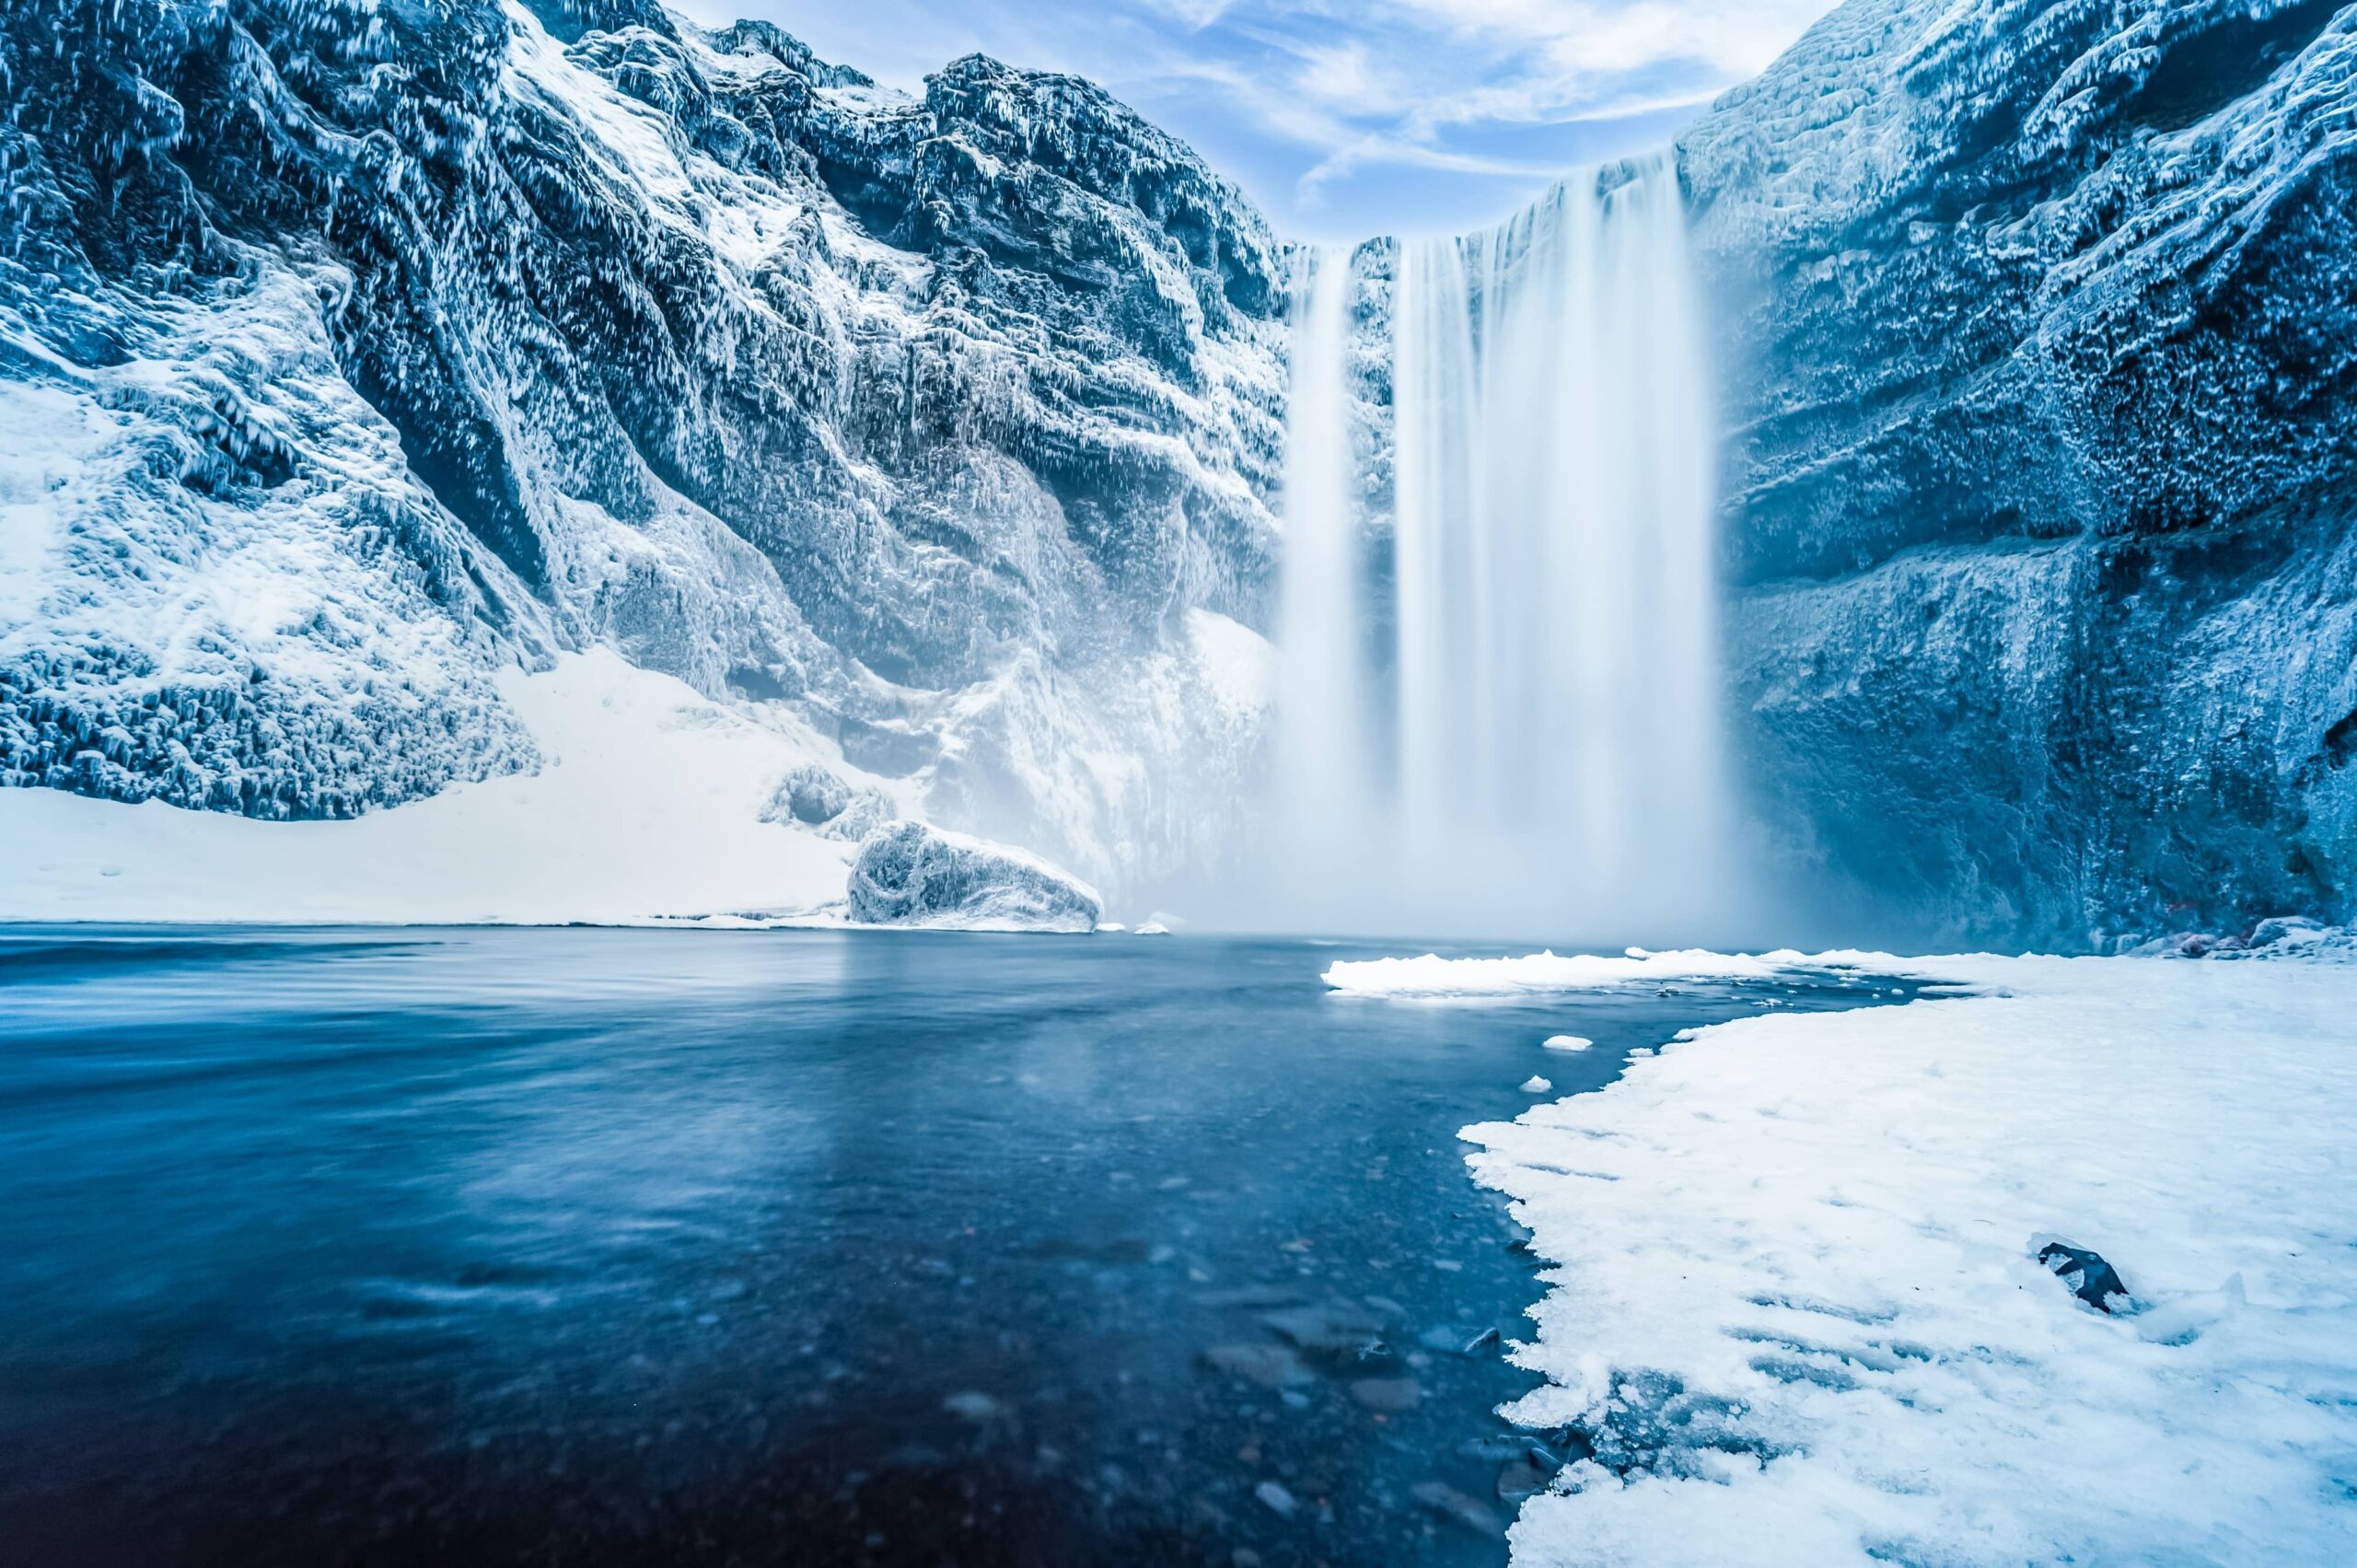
(600, 1247)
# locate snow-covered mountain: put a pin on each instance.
(354, 351)
(357, 355)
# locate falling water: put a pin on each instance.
(1322, 741)
(1519, 719)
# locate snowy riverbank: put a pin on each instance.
(647, 805)
(1793, 1309)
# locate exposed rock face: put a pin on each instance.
(350, 350)
(2041, 361)
(912, 875)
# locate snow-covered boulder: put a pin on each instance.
(910, 874)
(815, 796)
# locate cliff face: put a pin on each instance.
(2040, 351)
(352, 349)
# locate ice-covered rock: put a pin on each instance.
(349, 353)
(2037, 331)
(910, 874)
(815, 796)
(2088, 1274)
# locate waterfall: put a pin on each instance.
(1327, 805)
(1518, 721)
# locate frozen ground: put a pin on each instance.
(648, 804)
(1793, 1313)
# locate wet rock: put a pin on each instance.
(1271, 1367)
(1390, 1395)
(1336, 1329)
(1254, 1295)
(1450, 1504)
(1278, 1500)
(1511, 1446)
(2091, 1279)
(1524, 1476)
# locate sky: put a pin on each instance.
(1346, 118)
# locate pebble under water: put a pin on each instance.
(651, 1246)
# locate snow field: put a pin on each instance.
(647, 806)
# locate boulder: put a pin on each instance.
(2090, 1277)
(818, 798)
(910, 874)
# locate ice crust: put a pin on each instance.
(1432, 975)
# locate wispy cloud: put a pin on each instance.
(1345, 117)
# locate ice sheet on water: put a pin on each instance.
(1433, 975)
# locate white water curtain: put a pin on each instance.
(1544, 740)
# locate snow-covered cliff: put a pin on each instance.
(353, 351)
(2039, 338)
(355, 355)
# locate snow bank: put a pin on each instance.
(1796, 1316)
(1433, 975)
(648, 804)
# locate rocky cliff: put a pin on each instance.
(353, 350)
(2040, 341)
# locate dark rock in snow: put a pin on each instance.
(912, 875)
(2091, 1279)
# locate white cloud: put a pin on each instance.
(1312, 102)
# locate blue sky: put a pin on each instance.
(1346, 120)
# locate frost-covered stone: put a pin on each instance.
(914, 874)
(2039, 354)
(817, 797)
